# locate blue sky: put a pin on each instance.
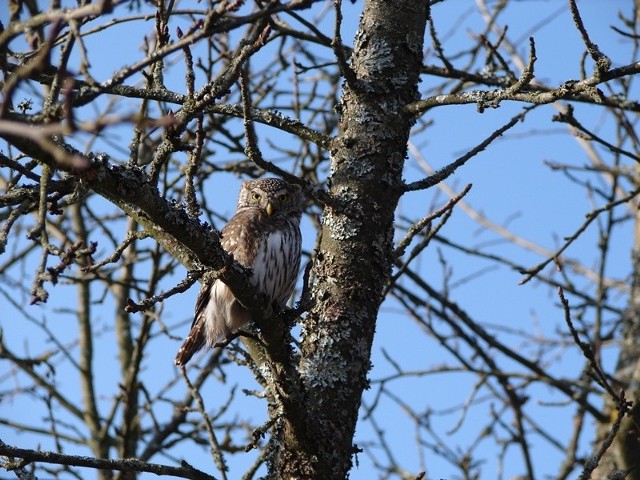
(511, 184)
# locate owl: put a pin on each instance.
(263, 235)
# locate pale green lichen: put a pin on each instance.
(340, 227)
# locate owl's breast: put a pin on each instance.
(276, 264)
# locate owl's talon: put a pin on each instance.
(226, 340)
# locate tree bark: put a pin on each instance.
(356, 249)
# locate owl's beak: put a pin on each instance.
(269, 208)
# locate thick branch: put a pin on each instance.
(576, 91)
(122, 465)
(194, 244)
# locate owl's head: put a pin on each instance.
(274, 196)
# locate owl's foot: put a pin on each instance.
(226, 340)
(289, 316)
(232, 336)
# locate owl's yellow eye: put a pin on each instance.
(255, 196)
(284, 197)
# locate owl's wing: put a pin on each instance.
(239, 238)
(241, 235)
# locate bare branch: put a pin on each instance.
(447, 171)
(122, 465)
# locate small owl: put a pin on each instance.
(264, 235)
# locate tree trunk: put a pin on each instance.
(356, 249)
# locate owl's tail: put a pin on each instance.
(192, 344)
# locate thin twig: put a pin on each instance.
(603, 63)
(216, 452)
(591, 216)
(447, 171)
(192, 169)
(588, 353)
(252, 149)
(436, 41)
(338, 48)
(528, 72)
(191, 278)
(417, 227)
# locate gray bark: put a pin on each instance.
(367, 158)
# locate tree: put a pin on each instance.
(222, 90)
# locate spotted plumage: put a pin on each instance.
(264, 235)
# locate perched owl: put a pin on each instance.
(264, 235)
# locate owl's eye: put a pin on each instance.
(284, 197)
(255, 196)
